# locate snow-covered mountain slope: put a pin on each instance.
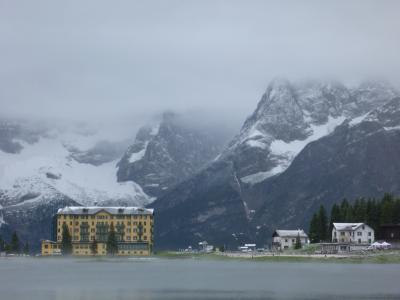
(66, 162)
(169, 152)
(361, 158)
(290, 116)
(251, 184)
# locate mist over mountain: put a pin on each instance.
(229, 119)
(266, 177)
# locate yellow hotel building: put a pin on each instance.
(133, 230)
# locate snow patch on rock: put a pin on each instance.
(25, 174)
(136, 156)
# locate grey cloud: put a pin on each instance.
(107, 59)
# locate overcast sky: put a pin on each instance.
(107, 59)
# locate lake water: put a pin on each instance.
(156, 278)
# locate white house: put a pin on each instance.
(286, 239)
(356, 233)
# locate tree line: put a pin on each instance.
(14, 246)
(111, 245)
(372, 212)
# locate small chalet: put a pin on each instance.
(286, 239)
(347, 237)
(358, 233)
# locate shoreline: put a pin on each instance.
(384, 257)
(381, 257)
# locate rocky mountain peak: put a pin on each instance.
(167, 153)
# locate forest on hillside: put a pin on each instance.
(374, 212)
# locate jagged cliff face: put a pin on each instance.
(262, 164)
(168, 153)
(361, 158)
(289, 116)
(305, 144)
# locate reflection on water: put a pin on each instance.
(156, 279)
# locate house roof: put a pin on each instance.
(290, 233)
(347, 226)
(92, 210)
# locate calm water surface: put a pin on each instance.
(156, 279)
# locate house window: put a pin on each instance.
(369, 233)
(359, 233)
(342, 233)
(359, 241)
(286, 240)
(293, 240)
(369, 241)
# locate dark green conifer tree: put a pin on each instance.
(322, 224)
(112, 245)
(335, 216)
(387, 209)
(313, 230)
(66, 242)
(2, 244)
(14, 244)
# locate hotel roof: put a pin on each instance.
(92, 210)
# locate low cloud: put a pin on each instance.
(128, 59)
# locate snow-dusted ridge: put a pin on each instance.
(45, 168)
(292, 115)
(284, 152)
